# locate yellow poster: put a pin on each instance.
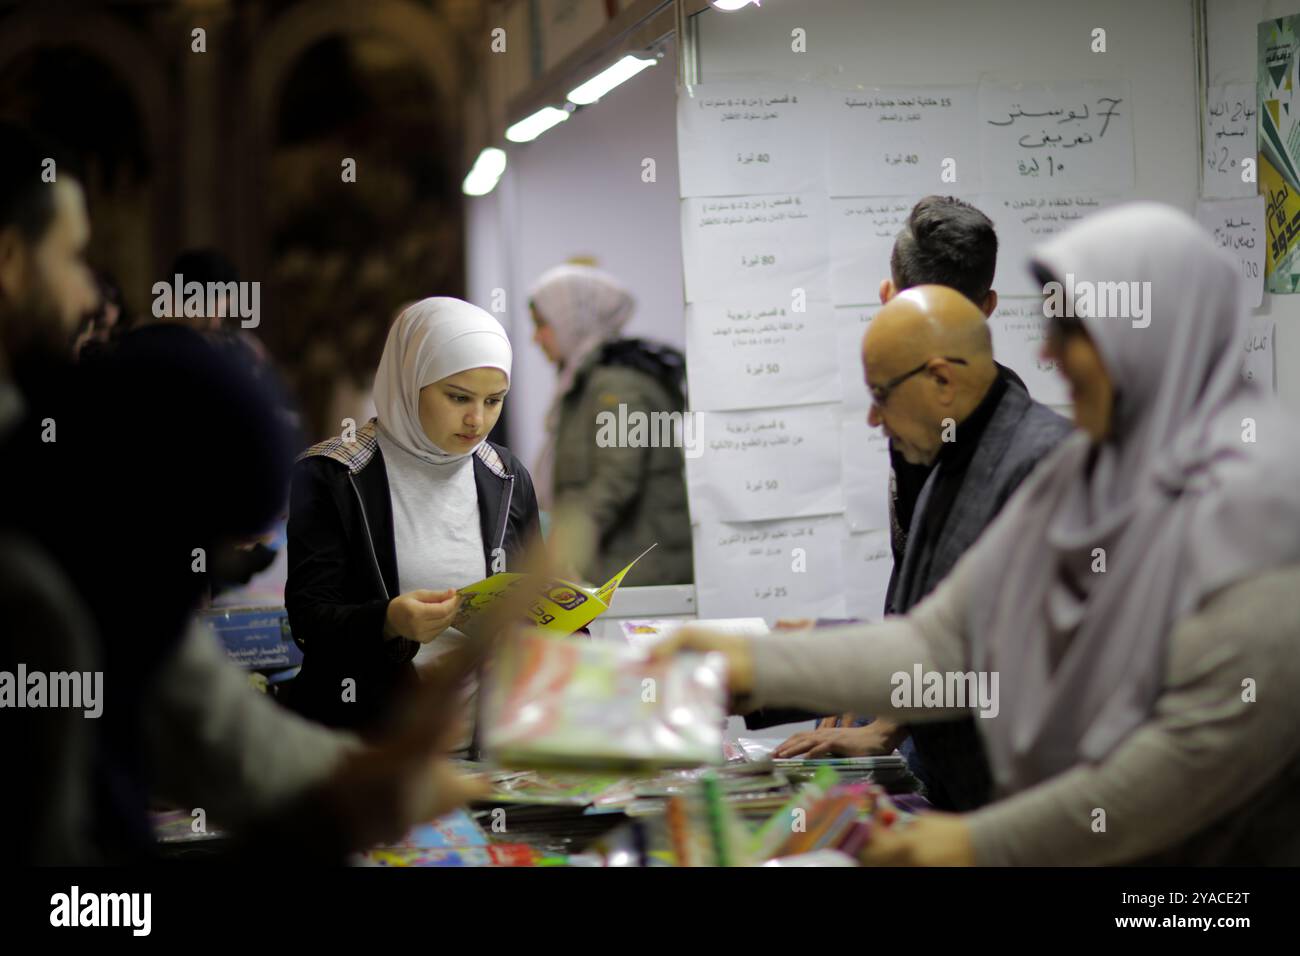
(1279, 150)
(558, 606)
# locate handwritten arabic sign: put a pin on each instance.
(1260, 363)
(1230, 126)
(1051, 138)
(1279, 151)
(1238, 227)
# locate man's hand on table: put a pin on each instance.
(876, 738)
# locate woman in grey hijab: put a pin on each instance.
(1130, 619)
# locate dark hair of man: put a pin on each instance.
(205, 265)
(946, 242)
(26, 200)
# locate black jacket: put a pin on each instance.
(343, 570)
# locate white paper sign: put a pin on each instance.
(896, 139)
(754, 246)
(1019, 330)
(868, 562)
(760, 354)
(1023, 221)
(1238, 227)
(1231, 130)
(771, 463)
(865, 457)
(743, 138)
(1056, 138)
(770, 569)
(1261, 359)
(862, 234)
(850, 327)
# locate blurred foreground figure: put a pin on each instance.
(608, 471)
(1138, 598)
(120, 477)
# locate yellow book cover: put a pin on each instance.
(560, 607)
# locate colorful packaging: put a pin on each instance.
(556, 702)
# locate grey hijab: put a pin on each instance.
(1181, 504)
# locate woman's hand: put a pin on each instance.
(735, 648)
(421, 615)
(931, 839)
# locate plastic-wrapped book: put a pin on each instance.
(555, 702)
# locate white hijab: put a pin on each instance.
(585, 308)
(1181, 504)
(430, 340)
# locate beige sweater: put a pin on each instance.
(1208, 779)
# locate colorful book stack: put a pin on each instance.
(843, 819)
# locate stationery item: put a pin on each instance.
(677, 830)
(717, 826)
(558, 606)
(504, 854)
(455, 829)
(553, 702)
(792, 814)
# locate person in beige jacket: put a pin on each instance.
(1128, 625)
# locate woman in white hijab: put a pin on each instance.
(1134, 610)
(388, 520)
(615, 498)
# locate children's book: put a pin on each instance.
(557, 606)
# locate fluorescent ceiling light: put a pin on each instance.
(606, 80)
(483, 178)
(529, 128)
(733, 4)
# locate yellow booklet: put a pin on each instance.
(560, 607)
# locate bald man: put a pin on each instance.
(946, 405)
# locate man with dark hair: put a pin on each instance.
(928, 361)
(45, 285)
(209, 268)
(945, 242)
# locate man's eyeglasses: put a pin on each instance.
(880, 393)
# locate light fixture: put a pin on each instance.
(486, 173)
(607, 79)
(531, 127)
(729, 5)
